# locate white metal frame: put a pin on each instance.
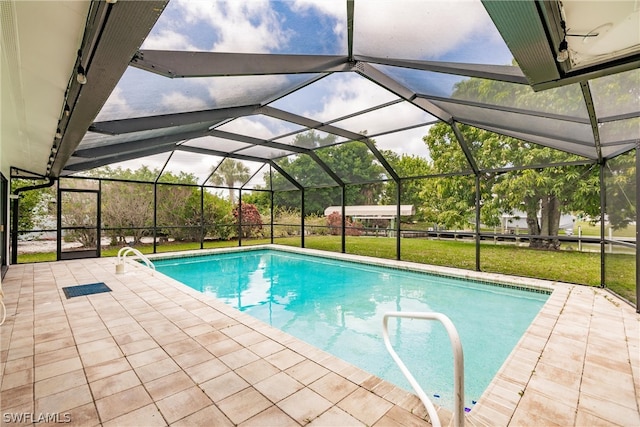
(458, 364)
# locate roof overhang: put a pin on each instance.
(38, 49)
(112, 37)
(602, 38)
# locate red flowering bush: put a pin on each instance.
(334, 221)
(251, 220)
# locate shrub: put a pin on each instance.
(334, 221)
(316, 225)
(251, 220)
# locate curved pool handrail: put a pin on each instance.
(458, 364)
(123, 252)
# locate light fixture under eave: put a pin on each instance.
(112, 1)
(563, 48)
(563, 51)
(81, 76)
(67, 110)
(58, 133)
(590, 56)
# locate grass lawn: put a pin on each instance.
(589, 229)
(563, 266)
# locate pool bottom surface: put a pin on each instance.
(338, 306)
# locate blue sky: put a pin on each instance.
(456, 31)
(451, 30)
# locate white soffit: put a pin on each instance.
(601, 31)
(40, 41)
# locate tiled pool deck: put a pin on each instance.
(155, 352)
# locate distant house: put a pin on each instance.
(372, 211)
(518, 221)
(382, 216)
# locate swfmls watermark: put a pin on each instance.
(30, 417)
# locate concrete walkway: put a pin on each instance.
(155, 352)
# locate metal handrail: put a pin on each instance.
(122, 256)
(458, 364)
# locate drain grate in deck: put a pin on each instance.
(90, 289)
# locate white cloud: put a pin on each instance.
(167, 39)
(408, 142)
(196, 164)
(116, 107)
(152, 162)
(386, 119)
(333, 9)
(249, 126)
(232, 91)
(426, 28)
(250, 27)
(343, 94)
(346, 94)
(253, 26)
(177, 101)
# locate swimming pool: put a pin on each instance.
(338, 306)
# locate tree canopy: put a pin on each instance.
(620, 181)
(34, 205)
(352, 162)
(543, 193)
(230, 173)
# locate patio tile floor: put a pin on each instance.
(154, 352)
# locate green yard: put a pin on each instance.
(589, 229)
(563, 266)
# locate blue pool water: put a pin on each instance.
(338, 306)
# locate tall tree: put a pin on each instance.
(33, 206)
(79, 211)
(352, 162)
(229, 173)
(620, 178)
(543, 193)
(178, 206)
(413, 190)
(127, 207)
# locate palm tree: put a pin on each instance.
(229, 173)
